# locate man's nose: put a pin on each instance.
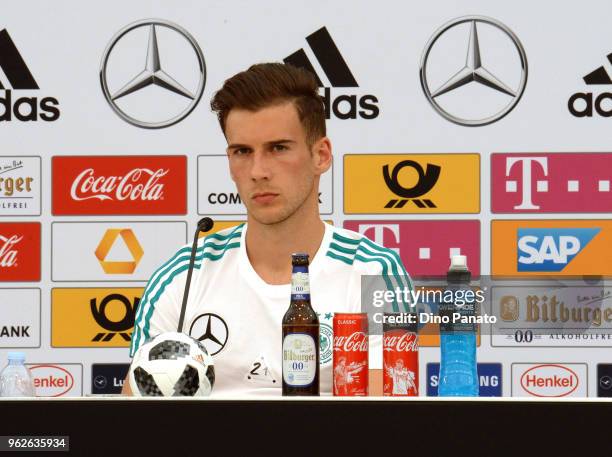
(260, 166)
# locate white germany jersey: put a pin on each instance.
(238, 316)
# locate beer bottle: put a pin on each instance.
(300, 335)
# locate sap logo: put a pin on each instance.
(549, 249)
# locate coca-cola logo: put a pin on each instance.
(356, 342)
(406, 342)
(8, 255)
(137, 184)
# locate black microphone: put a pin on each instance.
(204, 225)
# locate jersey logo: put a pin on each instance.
(326, 337)
(551, 249)
(211, 330)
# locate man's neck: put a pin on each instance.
(269, 247)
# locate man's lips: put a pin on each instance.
(264, 197)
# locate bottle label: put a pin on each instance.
(459, 313)
(299, 359)
(300, 285)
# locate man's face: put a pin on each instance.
(275, 170)
(399, 364)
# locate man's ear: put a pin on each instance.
(322, 155)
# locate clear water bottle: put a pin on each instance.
(458, 372)
(15, 379)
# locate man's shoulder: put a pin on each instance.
(362, 254)
(212, 249)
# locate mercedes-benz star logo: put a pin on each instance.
(473, 71)
(211, 330)
(153, 74)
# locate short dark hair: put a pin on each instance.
(268, 84)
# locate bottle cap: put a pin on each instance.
(16, 356)
(458, 262)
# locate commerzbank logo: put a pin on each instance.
(411, 183)
(106, 244)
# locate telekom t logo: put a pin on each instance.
(527, 164)
(551, 182)
(379, 231)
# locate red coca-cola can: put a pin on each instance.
(350, 354)
(400, 359)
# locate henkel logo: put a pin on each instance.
(356, 342)
(113, 251)
(597, 103)
(19, 78)
(411, 183)
(338, 74)
(119, 185)
(549, 380)
(407, 342)
(551, 183)
(20, 251)
(551, 247)
(425, 247)
(217, 193)
(57, 380)
(19, 186)
(92, 317)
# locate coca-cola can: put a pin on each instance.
(400, 357)
(350, 354)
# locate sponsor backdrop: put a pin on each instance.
(456, 128)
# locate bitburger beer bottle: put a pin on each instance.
(300, 335)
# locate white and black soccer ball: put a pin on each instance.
(172, 365)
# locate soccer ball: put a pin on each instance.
(172, 365)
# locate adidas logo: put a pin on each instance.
(15, 75)
(583, 104)
(338, 74)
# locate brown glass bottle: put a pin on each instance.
(300, 346)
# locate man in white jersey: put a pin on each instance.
(274, 123)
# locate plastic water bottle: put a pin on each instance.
(15, 379)
(458, 372)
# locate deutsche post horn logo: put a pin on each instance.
(427, 179)
(122, 326)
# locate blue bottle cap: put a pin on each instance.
(16, 356)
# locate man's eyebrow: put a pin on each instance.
(281, 141)
(237, 146)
